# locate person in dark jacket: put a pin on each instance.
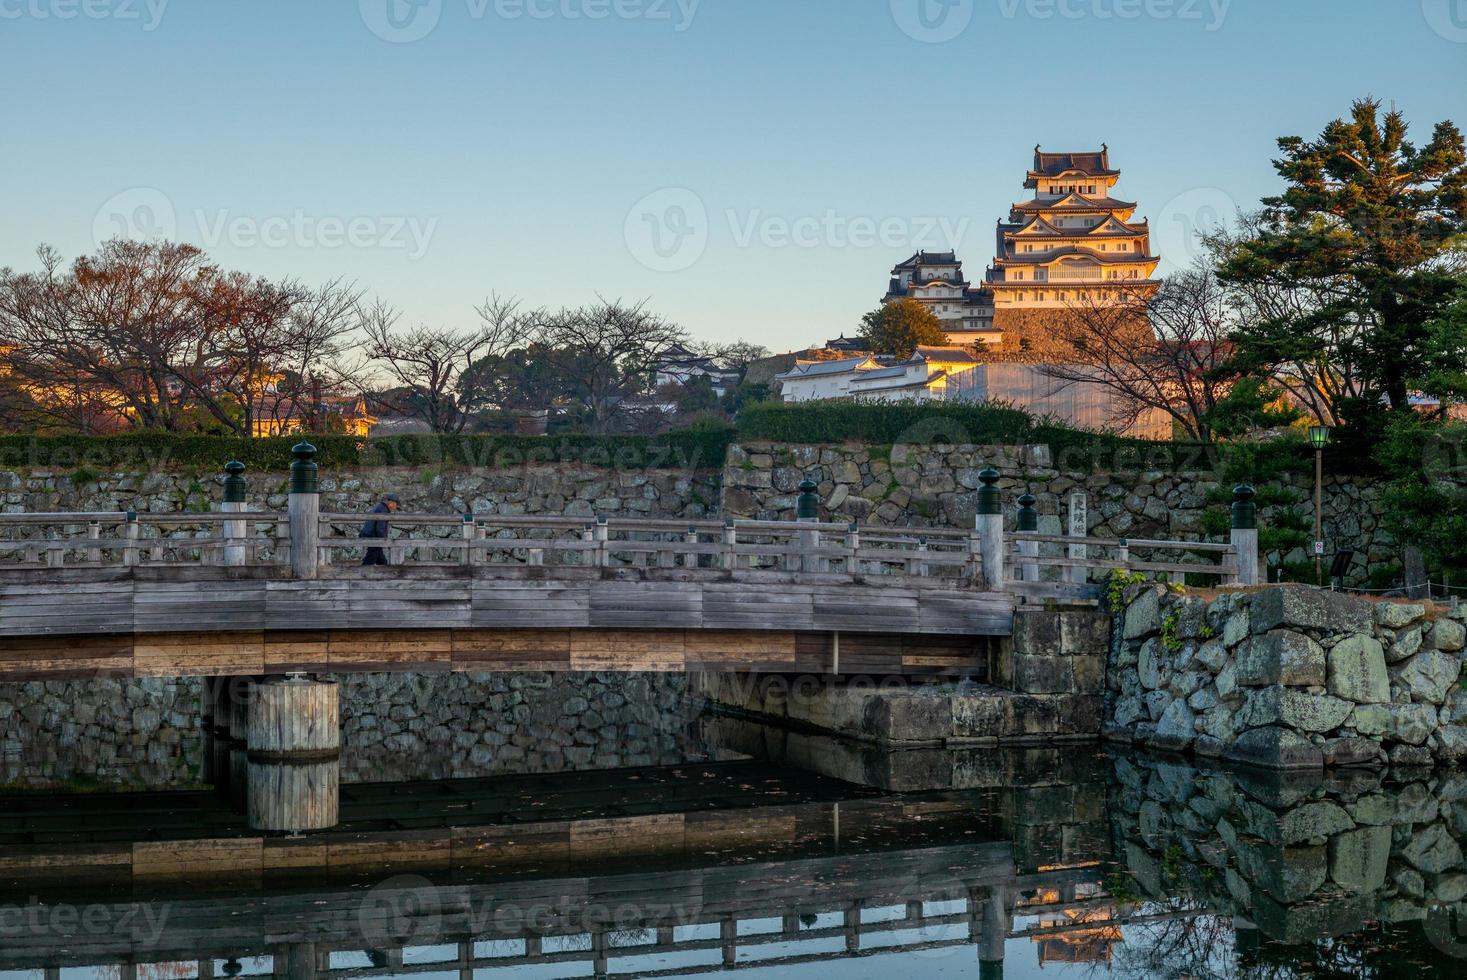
(379, 528)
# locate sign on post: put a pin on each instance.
(1079, 528)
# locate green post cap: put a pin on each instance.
(132, 516)
(468, 517)
(303, 472)
(1028, 516)
(989, 501)
(235, 485)
(807, 506)
(1245, 511)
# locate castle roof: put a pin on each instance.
(1037, 227)
(1091, 163)
(927, 258)
(1076, 202)
(1049, 257)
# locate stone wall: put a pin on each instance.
(930, 484)
(921, 483)
(1300, 857)
(147, 733)
(1289, 677)
(555, 490)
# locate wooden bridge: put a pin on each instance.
(237, 593)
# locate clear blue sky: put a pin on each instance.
(536, 155)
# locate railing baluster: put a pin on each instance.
(130, 552)
(730, 547)
(94, 532)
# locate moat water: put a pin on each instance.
(681, 843)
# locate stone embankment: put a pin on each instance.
(1291, 678)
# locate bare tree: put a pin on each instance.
(425, 366)
(1157, 353)
(610, 350)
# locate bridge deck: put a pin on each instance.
(191, 621)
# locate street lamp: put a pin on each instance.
(1319, 436)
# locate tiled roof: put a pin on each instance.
(1105, 258)
(1093, 163)
(1076, 202)
(812, 369)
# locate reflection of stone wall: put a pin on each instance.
(147, 733)
(1301, 856)
(1289, 677)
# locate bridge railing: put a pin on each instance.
(734, 546)
(57, 540)
(1127, 555)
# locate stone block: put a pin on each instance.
(1275, 748)
(1084, 633)
(1300, 607)
(1432, 850)
(1357, 670)
(1371, 719)
(1447, 635)
(1394, 615)
(1296, 710)
(1289, 874)
(1412, 724)
(1283, 657)
(1043, 675)
(1353, 752)
(1429, 676)
(1037, 633)
(1143, 615)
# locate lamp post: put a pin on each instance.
(1319, 436)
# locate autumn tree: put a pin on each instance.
(901, 327)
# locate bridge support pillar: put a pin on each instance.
(993, 932)
(294, 719)
(293, 796)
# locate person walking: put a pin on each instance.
(379, 528)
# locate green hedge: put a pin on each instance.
(963, 424)
(698, 448)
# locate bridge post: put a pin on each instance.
(990, 530)
(993, 932)
(305, 512)
(130, 533)
(1028, 548)
(470, 533)
(235, 491)
(1245, 534)
(807, 511)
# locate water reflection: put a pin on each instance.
(778, 853)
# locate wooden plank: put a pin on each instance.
(628, 650)
(503, 650)
(199, 654)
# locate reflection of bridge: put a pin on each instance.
(685, 870)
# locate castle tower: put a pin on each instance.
(1072, 243)
(936, 280)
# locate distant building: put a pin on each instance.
(930, 374)
(848, 345)
(350, 413)
(1072, 242)
(936, 280)
(1020, 380)
(677, 366)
